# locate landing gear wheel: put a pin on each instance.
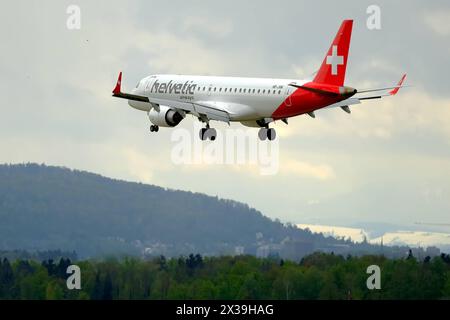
(208, 133)
(262, 134)
(267, 133)
(202, 134)
(154, 128)
(271, 134)
(212, 134)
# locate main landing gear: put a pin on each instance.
(154, 128)
(267, 133)
(208, 133)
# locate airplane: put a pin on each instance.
(254, 102)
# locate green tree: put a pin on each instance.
(34, 286)
(161, 285)
(6, 279)
(108, 288)
(446, 288)
(54, 291)
(97, 291)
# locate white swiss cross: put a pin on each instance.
(334, 60)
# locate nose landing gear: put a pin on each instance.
(154, 128)
(208, 133)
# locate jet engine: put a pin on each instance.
(165, 117)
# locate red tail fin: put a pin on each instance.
(334, 65)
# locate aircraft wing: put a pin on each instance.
(204, 110)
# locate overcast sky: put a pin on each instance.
(388, 162)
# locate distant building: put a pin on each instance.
(432, 251)
(268, 250)
(239, 250)
(263, 251)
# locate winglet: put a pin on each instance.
(399, 85)
(118, 87)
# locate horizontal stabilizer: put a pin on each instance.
(393, 92)
(393, 89)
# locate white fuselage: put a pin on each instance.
(245, 99)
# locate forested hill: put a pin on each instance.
(48, 208)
